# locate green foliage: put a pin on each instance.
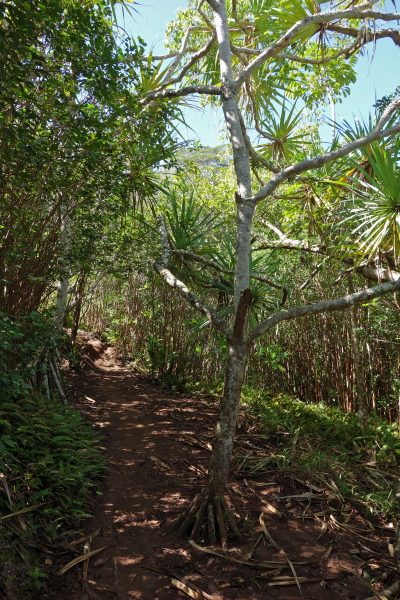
(75, 140)
(383, 102)
(37, 577)
(326, 446)
(376, 201)
(271, 355)
(286, 141)
(159, 361)
(266, 21)
(277, 17)
(53, 456)
(190, 224)
(50, 457)
(21, 342)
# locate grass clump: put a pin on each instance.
(51, 457)
(327, 447)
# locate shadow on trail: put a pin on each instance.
(154, 469)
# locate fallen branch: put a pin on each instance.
(255, 564)
(79, 559)
(191, 590)
(278, 548)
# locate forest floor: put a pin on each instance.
(157, 453)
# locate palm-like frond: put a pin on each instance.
(263, 297)
(190, 225)
(282, 127)
(376, 204)
(126, 6)
(274, 18)
(152, 75)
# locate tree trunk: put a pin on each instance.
(237, 348)
(78, 308)
(359, 375)
(226, 425)
(63, 282)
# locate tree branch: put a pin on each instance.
(160, 266)
(323, 307)
(204, 16)
(244, 50)
(366, 35)
(361, 12)
(192, 60)
(211, 90)
(370, 272)
(320, 161)
(289, 244)
(181, 53)
(376, 273)
(369, 36)
(237, 50)
(322, 61)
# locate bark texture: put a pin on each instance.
(226, 425)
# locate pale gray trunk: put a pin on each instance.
(245, 208)
(237, 348)
(64, 273)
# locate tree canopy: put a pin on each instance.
(74, 136)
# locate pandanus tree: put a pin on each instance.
(264, 49)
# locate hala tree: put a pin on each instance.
(265, 49)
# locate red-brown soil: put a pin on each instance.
(154, 471)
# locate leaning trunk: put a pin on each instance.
(226, 425)
(78, 308)
(63, 282)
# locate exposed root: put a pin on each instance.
(187, 522)
(232, 518)
(209, 517)
(235, 504)
(199, 519)
(211, 524)
(220, 521)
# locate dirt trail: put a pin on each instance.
(154, 471)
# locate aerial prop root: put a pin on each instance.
(210, 515)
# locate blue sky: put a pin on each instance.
(378, 72)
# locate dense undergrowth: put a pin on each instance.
(50, 461)
(326, 447)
